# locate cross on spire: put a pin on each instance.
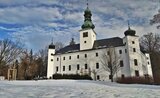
(52, 41)
(128, 25)
(87, 4)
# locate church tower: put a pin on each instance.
(51, 53)
(132, 48)
(87, 33)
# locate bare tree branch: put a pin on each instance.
(9, 51)
(110, 61)
(156, 19)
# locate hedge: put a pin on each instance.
(72, 76)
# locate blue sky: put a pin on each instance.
(35, 22)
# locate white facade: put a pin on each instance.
(50, 67)
(86, 57)
(87, 42)
(130, 54)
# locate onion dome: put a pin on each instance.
(87, 20)
(51, 46)
(129, 32)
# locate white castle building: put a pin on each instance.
(87, 57)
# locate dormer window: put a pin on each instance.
(85, 34)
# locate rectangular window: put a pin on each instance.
(69, 67)
(98, 77)
(77, 66)
(122, 76)
(125, 50)
(97, 65)
(148, 62)
(120, 51)
(85, 55)
(133, 42)
(85, 34)
(77, 56)
(63, 58)
(57, 68)
(51, 59)
(136, 73)
(135, 62)
(86, 67)
(63, 68)
(70, 57)
(57, 59)
(108, 53)
(121, 63)
(96, 54)
(134, 49)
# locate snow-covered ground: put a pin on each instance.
(75, 89)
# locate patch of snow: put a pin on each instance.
(75, 89)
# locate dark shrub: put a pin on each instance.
(57, 76)
(72, 76)
(138, 80)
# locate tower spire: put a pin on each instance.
(52, 41)
(87, 19)
(128, 25)
(87, 4)
(129, 31)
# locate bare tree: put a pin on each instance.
(156, 19)
(42, 62)
(9, 51)
(150, 42)
(58, 45)
(28, 66)
(110, 62)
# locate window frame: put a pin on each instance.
(135, 62)
(121, 63)
(98, 77)
(97, 65)
(69, 68)
(64, 68)
(57, 68)
(120, 51)
(137, 73)
(78, 67)
(86, 66)
(96, 54)
(77, 56)
(134, 49)
(85, 34)
(85, 55)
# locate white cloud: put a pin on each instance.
(61, 19)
